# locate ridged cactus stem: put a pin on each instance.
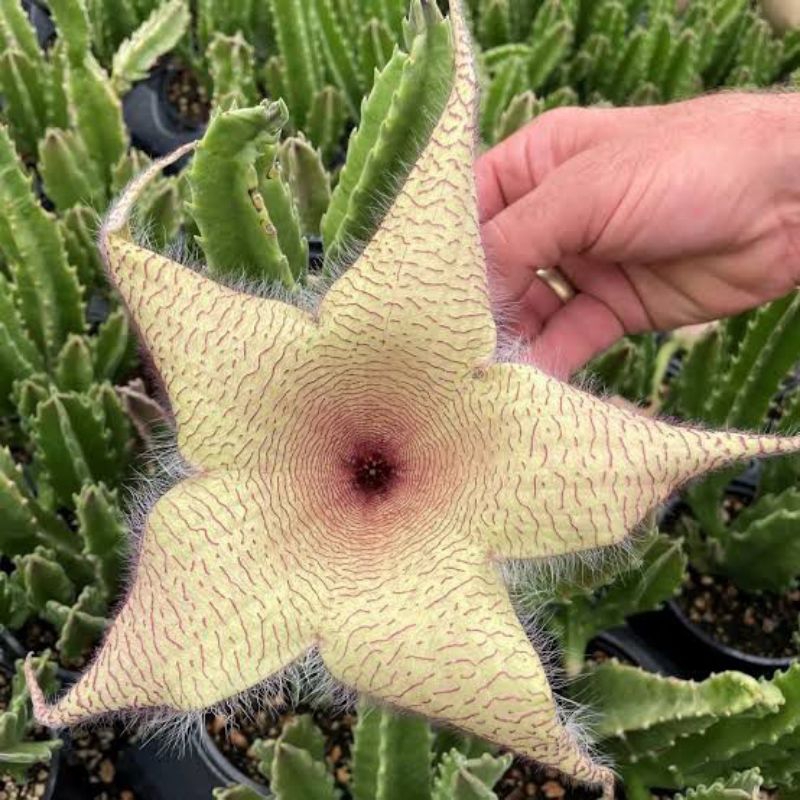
(47, 292)
(375, 49)
(340, 54)
(231, 61)
(237, 234)
(23, 86)
(16, 31)
(19, 748)
(69, 175)
(326, 120)
(157, 35)
(24, 77)
(19, 355)
(308, 180)
(301, 73)
(395, 120)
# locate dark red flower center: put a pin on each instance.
(372, 472)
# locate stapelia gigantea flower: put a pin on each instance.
(359, 473)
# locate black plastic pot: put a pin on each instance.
(695, 653)
(152, 771)
(39, 16)
(224, 772)
(669, 631)
(624, 644)
(153, 123)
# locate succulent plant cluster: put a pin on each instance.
(65, 92)
(742, 373)
(727, 736)
(240, 158)
(67, 441)
(320, 57)
(672, 734)
(392, 756)
(543, 54)
(70, 410)
(20, 746)
(587, 600)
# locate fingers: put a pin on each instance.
(539, 208)
(563, 217)
(517, 165)
(574, 335)
(565, 336)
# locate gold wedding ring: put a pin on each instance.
(558, 282)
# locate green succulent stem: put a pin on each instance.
(237, 234)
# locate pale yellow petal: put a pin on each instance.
(210, 613)
(447, 644)
(420, 285)
(564, 471)
(220, 353)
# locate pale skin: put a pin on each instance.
(660, 217)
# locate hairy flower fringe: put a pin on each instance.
(306, 681)
(530, 584)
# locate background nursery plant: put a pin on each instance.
(71, 409)
(729, 735)
(540, 55)
(321, 58)
(392, 756)
(26, 750)
(67, 439)
(535, 56)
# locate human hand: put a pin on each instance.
(659, 217)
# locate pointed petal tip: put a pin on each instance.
(712, 450)
(117, 219)
(461, 35)
(44, 713)
(74, 707)
(752, 445)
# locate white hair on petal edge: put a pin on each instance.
(573, 717)
(530, 583)
(306, 681)
(511, 349)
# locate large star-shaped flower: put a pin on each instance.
(359, 473)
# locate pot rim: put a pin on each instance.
(227, 773)
(730, 652)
